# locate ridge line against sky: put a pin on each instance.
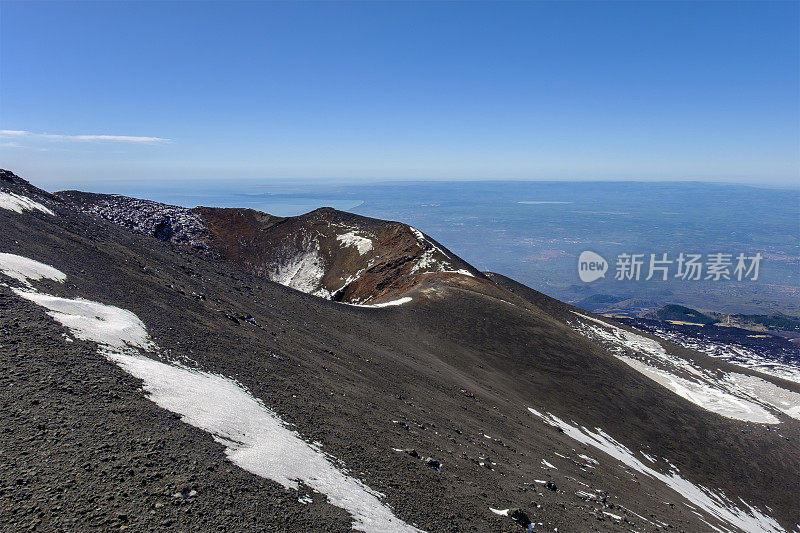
(698, 91)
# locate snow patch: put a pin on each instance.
(649, 358)
(24, 269)
(648, 457)
(418, 234)
(18, 203)
(255, 438)
(362, 244)
(303, 272)
(399, 301)
(714, 503)
(705, 395)
(107, 325)
(784, 400)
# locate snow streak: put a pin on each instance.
(716, 504)
(25, 270)
(718, 392)
(19, 203)
(362, 244)
(255, 438)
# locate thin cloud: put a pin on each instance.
(84, 138)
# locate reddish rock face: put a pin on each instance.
(327, 253)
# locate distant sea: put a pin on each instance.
(534, 231)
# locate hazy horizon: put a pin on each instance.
(401, 91)
(108, 184)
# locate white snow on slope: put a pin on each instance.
(110, 326)
(24, 269)
(363, 244)
(303, 271)
(418, 234)
(714, 503)
(738, 355)
(767, 392)
(630, 340)
(399, 301)
(256, 439)
(699, 386)
(427, 262)
(709, 397)
(19, 203)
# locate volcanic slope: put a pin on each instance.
(327, 253)
(143, 383)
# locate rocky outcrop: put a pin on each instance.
(164, 222)
(327, 253)
(477, 406)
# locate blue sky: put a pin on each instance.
(117, 91)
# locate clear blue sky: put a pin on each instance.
(501, 90)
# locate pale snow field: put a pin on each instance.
(766, 391)
(110, 326)
(24, 270)
(746, 400)
(706, 396)
(392, 303)
(19, 203)
(737, 355)
(255, 438)
(362, 244)
(303, 272)
(714, 503)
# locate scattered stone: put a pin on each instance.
(521, 517)
(433, 463)
(185, 494)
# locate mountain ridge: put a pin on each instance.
(456, 375)
(328, 253)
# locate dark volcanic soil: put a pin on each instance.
(449, 375)
(83, 449)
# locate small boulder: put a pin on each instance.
(433, 463)
(521, 517)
